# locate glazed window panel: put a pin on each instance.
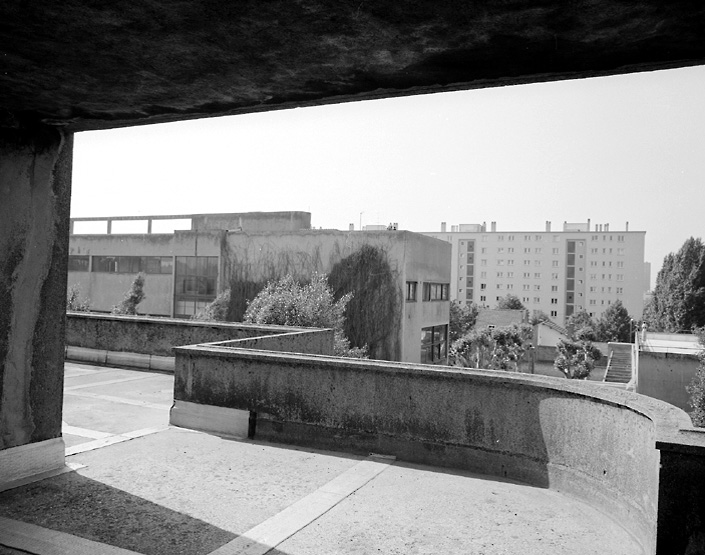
(78, 263)
(434, 344)
(411, 287)
(195, 284)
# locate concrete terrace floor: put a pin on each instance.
(140, 486)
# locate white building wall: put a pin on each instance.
(608, 265)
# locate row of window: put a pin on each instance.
(121, 264)
(431, 291)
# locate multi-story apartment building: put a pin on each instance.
(557, 272)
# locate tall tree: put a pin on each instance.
(492, 349)
(462, 319)
(678, 299)
(510, 302)
(580, 326)
(615, 324)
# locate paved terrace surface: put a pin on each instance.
(138, 485)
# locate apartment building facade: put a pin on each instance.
(580, 267)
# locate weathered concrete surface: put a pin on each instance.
(158, 336)
(522, 427)
(35, 183)
(103, 65)
(177, 492)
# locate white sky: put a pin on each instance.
(613, 149)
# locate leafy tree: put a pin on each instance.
(510, 302)
(493, 349)
(696, 388)
(287, 303)
(462, 319)
(538, 317)
(576, 359)
(615, 324)
(678, 299)
(580, 326)
(133, 297)
(74, 301)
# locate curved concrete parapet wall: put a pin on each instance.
(583, 439)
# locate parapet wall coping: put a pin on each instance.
(269, 329)
(668, 419)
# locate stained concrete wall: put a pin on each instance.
(157, 336)
(521, 427)
(313, 342)
(253, 221)
(35, 186)
(665, 376)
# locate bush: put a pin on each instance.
(74, 302)
(287, 303)
(133, 297)
(696, 388)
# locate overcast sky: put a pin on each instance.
(612, 149)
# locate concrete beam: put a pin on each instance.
(35, 189)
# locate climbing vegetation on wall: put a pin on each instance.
(372, 315)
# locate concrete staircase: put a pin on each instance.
(619, 367)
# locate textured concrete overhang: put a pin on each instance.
(92, 64)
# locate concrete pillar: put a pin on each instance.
(35, 192)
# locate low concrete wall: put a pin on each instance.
(665, 376)
(141, 342)
(589, 441)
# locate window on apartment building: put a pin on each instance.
(510, 286)
(527, 275)
(483, 298)
(555, 263)
(133, 264)
(620, 238)
(483, 274)
(525, 299)
(554, 288)
(510, 237)
(554, 276)
(554, 313)
(483, 250)
(556, 238)
(539, 238)
(484, 238)
(434, 344)
(500, 263)
(527, 250)
(555, 251)
(527, 262)
(500, 274)
(593, 263)
(483, 262)
(554, 301)
(411, 288)
(500, 237)
(78, 263)
(500, 286)
(620, 251)
(595, 237)
(537, 287)
(537, 263)
(620, 290)
(510, 262)
(483, 286)
(527, 237)
(537, 300)
(620, 277)
(537, 275)
(620, 264)
(435, 291)
(593, 301)
(500, 250)
(593, 251)
(195, 284)
(537, 250)
(510, 250)
(510, 274)
(526, 287)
